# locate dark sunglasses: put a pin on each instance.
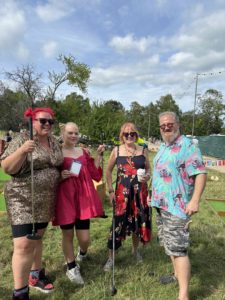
(168, 125)
(131, 134)
(43, 121)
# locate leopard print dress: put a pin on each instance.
(17, 191)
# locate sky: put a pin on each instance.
(137, 50)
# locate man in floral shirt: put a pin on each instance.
(179, 178)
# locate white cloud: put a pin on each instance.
(12, 26)
(161, 3)
(55, 10)
(50, 49)
(130, 43)
(208, 61)
(198, 45)
(23, 52)
(180, 58)
(138, 72)
(123, 11)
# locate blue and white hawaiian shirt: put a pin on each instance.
(173, 175)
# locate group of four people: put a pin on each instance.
(63, 192)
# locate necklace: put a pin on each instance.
(131, 152)
(130, 155)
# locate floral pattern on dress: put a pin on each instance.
(132, 213)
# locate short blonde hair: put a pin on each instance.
(133, 128)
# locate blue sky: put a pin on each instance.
(137, 50)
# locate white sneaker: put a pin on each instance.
(75, 276)
(81, 257)
(108, 265)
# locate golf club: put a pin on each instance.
(113, 287)
(33, 235)
(104, 216)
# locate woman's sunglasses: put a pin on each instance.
(131, 134)
(43, 121)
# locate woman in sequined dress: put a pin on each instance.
(16, 161)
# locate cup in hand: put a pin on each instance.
(140, 174)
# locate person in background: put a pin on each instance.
(77, 199)
(16, 161)
(130, 195)
(178, 182)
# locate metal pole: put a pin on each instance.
(33, 235)
(149, 120)
(196, 88)
(113, 286)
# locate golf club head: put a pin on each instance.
(113, 290)
(33, 236)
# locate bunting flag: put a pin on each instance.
(211, 73)
(214, 163)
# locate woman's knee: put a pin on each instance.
(23, 246)
(68, 235)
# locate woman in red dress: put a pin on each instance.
(77, 200)
(131, 193)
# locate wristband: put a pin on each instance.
(111, 191)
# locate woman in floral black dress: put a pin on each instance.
(131, 207)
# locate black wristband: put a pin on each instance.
(111, 191)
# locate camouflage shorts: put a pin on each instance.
(173, 233)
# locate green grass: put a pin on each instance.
(217, 205)
(3, 178)
(2, 202)
(132, 280)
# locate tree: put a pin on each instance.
(137, 114)
(12, 108)
(75, 74)
(106, 117)
(151, 121)
(75, 108)
(28, 81)
(186, 121)
(167, 103)
(211, 112)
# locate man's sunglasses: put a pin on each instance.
(131, 134)
(43, 121)
(168, 125)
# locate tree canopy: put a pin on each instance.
(100, 119)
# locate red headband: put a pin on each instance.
(32, 113)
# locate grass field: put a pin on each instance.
(132, 280)
(3, 178)
(2, 202)
(217, 205)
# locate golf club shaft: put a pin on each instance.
(102, 154)
(113, 238)
(32, 175)
(32, 191)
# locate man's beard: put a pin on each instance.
(170, 139)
